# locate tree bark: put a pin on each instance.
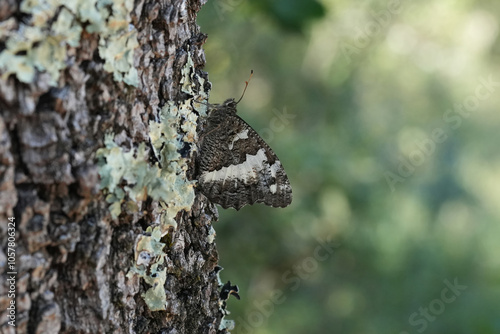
(71, 108)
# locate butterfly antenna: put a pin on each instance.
(246, 85)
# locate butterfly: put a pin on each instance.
(235, 165)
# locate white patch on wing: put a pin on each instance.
(244, 171)
(275, 167)
(272, 187)
(229, 172)
(241, 135)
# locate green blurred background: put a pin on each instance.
(385, 116)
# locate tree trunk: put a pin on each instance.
(97, 136)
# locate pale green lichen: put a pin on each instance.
(167, 143)
(30, 48)
(187, 73)
(211, 235)
(142, 179)
(188, 85)
(149, 263)
(117, 43)
(167, 184)
(165, 181)
(226, 324)
(42, 44)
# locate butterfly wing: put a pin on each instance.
(237, 167)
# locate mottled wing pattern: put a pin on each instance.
(236, 167)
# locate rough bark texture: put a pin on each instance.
(71, 256)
